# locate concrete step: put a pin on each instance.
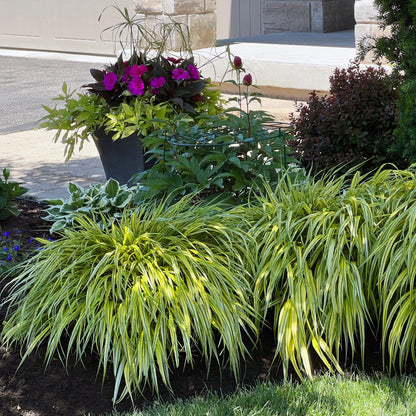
(285, 65)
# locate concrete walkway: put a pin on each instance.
(285, 65)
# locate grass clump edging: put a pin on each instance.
(328, 259)
(143, 294)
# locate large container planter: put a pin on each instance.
(122, 158)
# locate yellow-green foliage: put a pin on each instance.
(143, 294)
(335, 255)
(331, 259)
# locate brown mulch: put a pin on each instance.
(33, 390)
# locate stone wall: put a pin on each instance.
(367, 23)
(308, 15)
(198, 15)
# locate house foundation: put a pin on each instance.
(198, 15)
(307, 15)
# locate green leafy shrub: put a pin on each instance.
(145, 294)
(398, 45)
(103, 203)
(227, 156)
(8, 192)
(353, 124)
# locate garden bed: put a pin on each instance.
(33, 390)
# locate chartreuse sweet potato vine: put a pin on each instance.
(143, 294)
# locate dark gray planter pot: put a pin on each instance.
(123, 158)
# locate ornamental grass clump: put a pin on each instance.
(314, 239)
(146, 295)
(394, 271)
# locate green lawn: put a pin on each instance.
(325, 396)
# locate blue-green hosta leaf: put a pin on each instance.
(58, 225)
(54, 201)
(102, 203)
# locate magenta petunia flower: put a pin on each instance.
(193, 71)
(136, 86)
(180, 74)
(137, 71)
(158, 82)
(126, 77)
(110, 80)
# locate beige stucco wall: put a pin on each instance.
(70, 26)
(73, 26)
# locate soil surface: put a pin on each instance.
(34, 390)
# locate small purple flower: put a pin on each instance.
(5, 249)
(16, 247)
(136, 71)
(238, 63)
(157, 83)
(180, 74)
(248, 80)
(193, 71)
(9, 258)
(31, 240)
(174, 60)
(136, 86)
(6, 233)
(110, 80)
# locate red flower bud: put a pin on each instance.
(238, 63)
(197, 98)
(247, 80)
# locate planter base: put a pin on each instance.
(123, 158)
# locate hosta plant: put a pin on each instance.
(146, 294)
(8, 192)
(103, 203)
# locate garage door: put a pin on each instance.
(58, 25)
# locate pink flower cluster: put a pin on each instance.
(180, 74)
(132, 77)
